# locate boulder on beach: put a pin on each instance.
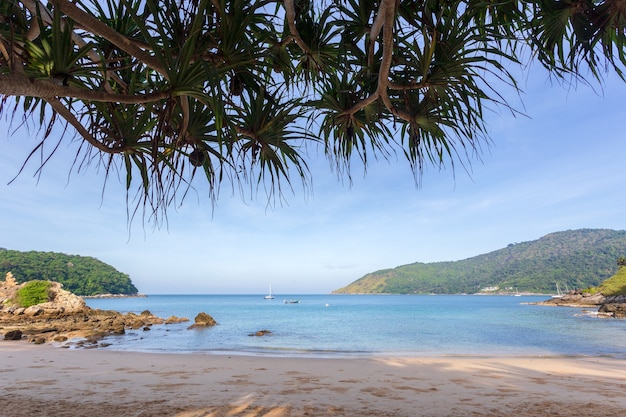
(13, 335)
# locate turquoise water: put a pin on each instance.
(335, 325)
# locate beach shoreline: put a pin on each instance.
(45, 380)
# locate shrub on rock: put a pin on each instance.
(33, 293)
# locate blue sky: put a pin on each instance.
(561, 167)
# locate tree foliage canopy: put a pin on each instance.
(165, 90)
(81, 275)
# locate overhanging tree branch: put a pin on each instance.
(101, 29)
(21, 85)
(235, 77)
(290, 14)
(383, 22)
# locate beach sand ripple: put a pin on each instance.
(49, 381)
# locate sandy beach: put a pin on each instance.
(52, 381)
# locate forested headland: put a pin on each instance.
(81, 275)
(573, 259)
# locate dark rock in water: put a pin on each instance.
(260, 333)
(13, 335)
(613, 310)
(118, 330)
(203, 320)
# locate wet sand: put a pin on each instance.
(50, 381)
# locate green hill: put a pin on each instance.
(79, 274)
(615, 285)
(574, 258)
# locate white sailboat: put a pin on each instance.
(269, 296)
(558, 292)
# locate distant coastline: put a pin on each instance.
(115, 296)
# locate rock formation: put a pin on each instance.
(60, 300)
(203, 320)
(64, 317)
(10, 280)
(176, 319)
(614, 306)
(617, 310)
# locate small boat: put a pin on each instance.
(558, 292)
(517, 294)
(292, 301)
(269, 296)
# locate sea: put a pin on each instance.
(369, 325)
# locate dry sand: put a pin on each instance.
(50, 381)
